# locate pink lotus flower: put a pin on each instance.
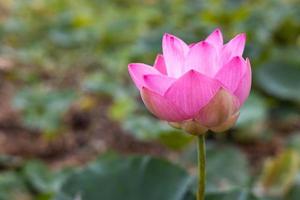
(199, 86)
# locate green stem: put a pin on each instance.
(201, 167)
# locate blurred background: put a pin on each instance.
(72, 124)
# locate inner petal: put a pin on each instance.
(174, 53)
(203, 58)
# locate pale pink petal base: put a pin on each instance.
(219, 109)
(193, 127)
(227, 124)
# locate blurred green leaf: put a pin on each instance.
(115, 178)
(253, 111)
(42, 108)
(42, 180)
(280, 79)
(12, 187)
(252, 120)
(235, 194)
(99, 83)
(227, 167)
(294, 192)
(146, 128)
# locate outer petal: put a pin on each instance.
(174, 51)
(231, 74)
(202, 58)
(161, 107)
(158, 83)
(215, 38)
(234, 47)
(219, 109)
(192, 91)
(137, 72)
(243, 89)
(160, 64)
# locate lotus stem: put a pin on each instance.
(201, 167)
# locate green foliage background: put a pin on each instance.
(66, 50)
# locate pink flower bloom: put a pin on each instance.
(203, 84)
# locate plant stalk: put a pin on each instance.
(201, 167)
